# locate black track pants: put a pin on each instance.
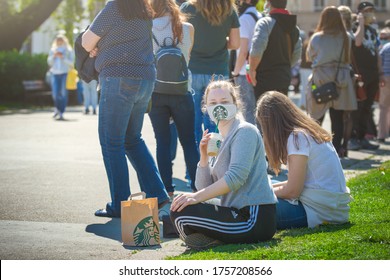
(250, 224)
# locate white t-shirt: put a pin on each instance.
(162, 28)
(324, 170)
(247, 28)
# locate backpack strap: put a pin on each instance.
(165, 41)
(155, 40)
(173, 44)
(253, 15)
(255, 18)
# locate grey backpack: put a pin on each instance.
(172, 69)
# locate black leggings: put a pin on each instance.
(341, 126)
(362, 117)
(337, 127)
(250, 224)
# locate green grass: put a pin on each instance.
(13, 107)
(365, 237)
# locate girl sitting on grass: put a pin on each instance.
(238, 174)
(315, 192)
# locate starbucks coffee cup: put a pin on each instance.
(214, 144)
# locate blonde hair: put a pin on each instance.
(346, 15)
(222, 84)
(215, 11)
(62, 38)
(279, 117)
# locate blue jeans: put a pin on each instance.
(59, 92)
(199, 84)
(248, 100)
(173, 145)
(181, 109)
(289, 215)
(121, 114)
(90, 94)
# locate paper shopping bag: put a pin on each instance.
(139, 221)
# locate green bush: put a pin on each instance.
(15, 68)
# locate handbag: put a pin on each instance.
(72, 79)
(328, 91)
(139, 221)
(325, 93)
(361, 93)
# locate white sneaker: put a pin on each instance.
(55, 113)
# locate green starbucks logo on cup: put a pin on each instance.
(218, 144)
(145, 231)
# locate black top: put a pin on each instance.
(366, 56)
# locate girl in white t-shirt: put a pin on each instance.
(315, 192)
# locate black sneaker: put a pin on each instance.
(104, 213)
(366, 145)
(354, 145)
(199, 241)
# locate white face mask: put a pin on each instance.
(369, 17)
(222, 112)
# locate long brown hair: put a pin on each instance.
(279, 117)
(131, 9)
(332, 23)
(215, 11)
(346, 15)
(161, 7)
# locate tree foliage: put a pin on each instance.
(18, 19)
(69, 15)
(93, 7)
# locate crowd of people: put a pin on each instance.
(242, 98)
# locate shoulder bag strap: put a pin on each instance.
(354, 64)
(338, 64)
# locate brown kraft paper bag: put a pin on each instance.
(139, 221)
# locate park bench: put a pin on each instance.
(37, 92)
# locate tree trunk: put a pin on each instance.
(14, 29)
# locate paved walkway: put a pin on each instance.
(53, 179)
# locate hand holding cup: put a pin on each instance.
(214, 144)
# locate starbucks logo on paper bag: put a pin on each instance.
(146, 232)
